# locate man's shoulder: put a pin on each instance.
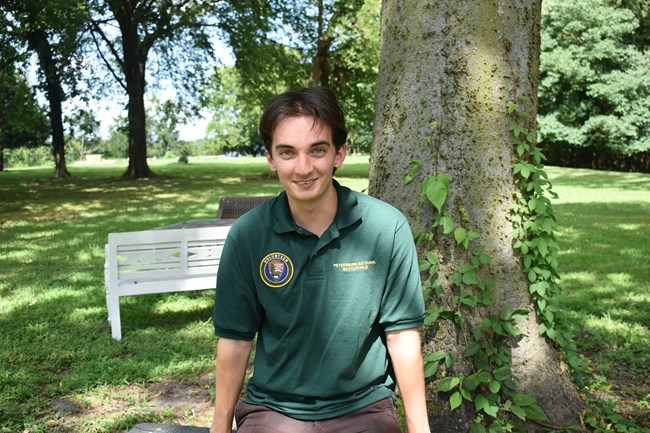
(372, 206)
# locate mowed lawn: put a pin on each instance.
(60, 371)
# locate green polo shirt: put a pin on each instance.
(320, 307)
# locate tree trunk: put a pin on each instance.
(133, 66)
(319, 75)
(457, 65)
(38, 41)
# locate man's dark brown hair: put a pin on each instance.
(318, 103)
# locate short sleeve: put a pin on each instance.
(237, 312)
(402, 304)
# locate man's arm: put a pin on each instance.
(406, 356)
(232, 360)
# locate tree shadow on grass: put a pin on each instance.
(603, 259)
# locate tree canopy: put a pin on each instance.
(177, 32)
(52, 32)
(23, 122)
(594, 94)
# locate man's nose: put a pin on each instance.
(303, 165)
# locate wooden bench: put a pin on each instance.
(179, 257)
(159, 261)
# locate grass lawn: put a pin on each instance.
(60, 370)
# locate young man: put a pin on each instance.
(328, 281)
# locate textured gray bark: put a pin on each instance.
(459, 64)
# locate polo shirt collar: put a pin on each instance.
(347, 212)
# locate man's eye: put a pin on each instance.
(319, 151)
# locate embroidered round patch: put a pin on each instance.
(276, 270)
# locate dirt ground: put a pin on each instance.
(118, 408)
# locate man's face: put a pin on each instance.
(304, 156)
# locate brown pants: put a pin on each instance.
(380, 417)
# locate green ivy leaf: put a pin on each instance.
(430, 369)
(492, 411)
(471, 382)
(431, 257)
(532, 276)
(502, 373)
(477, 427)
(471, 349)
(523, 400)
(415, 167)
(435, 356)
(460, 234)
(447, 225)
(469, 278)
(542, 247)
(448, 383)
(436, 189)
(466, 268)
(535, 412)
(455, 400)
(480, 402)
(485, 377)
(495, 386)
(519, 412)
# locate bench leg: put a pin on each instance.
(113, 304)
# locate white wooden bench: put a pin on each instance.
(159, 261)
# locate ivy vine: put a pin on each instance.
(490, 384)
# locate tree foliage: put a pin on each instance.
(176, 30)
(594, 97)
(83, 137)
(52, 31)
(300, 43)
(22, 121)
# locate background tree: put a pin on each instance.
(22, 121)
(328, 43)
(83, 135)
(177, 30)
(641, 10)
(117, 143)
(52, 31)
(594, 94)
(234, 120)
(448, 73)
(163, 129)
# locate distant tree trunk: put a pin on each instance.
(133, 65)
(38, 42)
(455, 64)
(319, 75)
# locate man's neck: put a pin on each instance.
(315, 217)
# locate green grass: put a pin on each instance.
(604, 237)
(60, 370)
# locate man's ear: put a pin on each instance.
(340, 156)
(269, 160)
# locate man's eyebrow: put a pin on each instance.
(314, 144)
(319, 143)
